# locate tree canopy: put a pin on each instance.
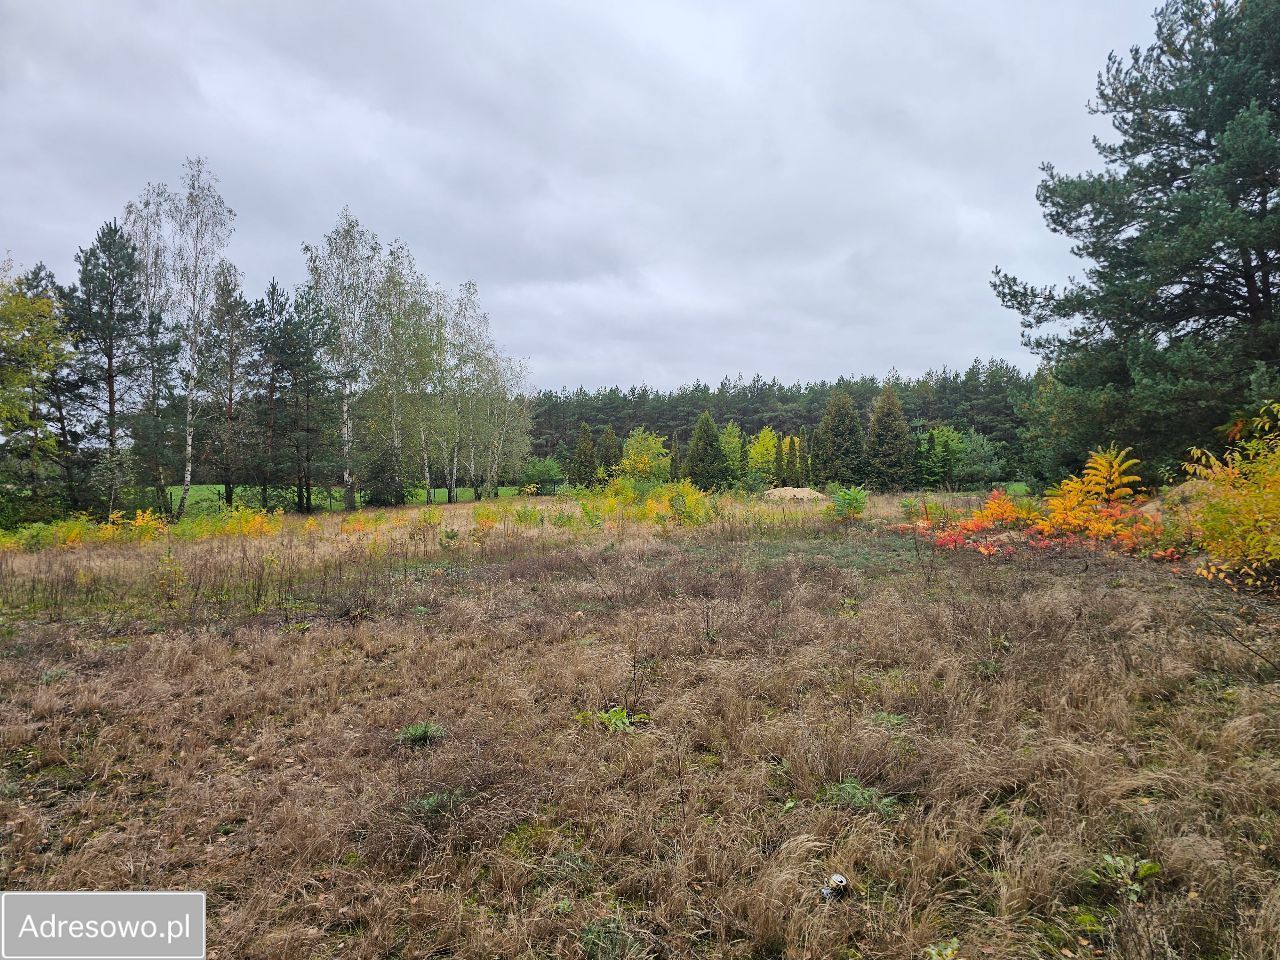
(1179, 234)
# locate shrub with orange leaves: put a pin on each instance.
(1001, 511)
(248, 522)
(363, 521)
(1100, 504)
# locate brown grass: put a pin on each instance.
(1009, 724)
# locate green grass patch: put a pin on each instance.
(420, 734)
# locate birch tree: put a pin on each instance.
(148, 222)
(452, 386)
(507, 405)
(343, 270)
(403, 340)
(202, 225)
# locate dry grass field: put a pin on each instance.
(608, 744)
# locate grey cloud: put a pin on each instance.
(655, 192)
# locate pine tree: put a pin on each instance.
(106, 323)
(838, 453)
(582, 468)
(704, 462)
(231, 358)
(609, 450)
(891, 450)
(306, 412)
(262, 462)
(1176, 306)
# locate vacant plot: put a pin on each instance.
(559, 741)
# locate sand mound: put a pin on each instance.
(793, 493)
(1180, 497)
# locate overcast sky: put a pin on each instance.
(643, 191)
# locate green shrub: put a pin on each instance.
(1124, 875)
(848, 503)
(544, 473)
(526, 516)
(752, 481)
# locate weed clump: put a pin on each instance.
(615, 719)
(854, 794)
(420, 734)
(435, 804)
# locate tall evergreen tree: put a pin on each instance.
(106, 324)
(838, 453)
(1174, 326)
(306, 410)
(264, 461)
(582, 468)
(705, 463)
(891, 450)
(609, 450)
(231, 350)
(779, 461)
(791, 466)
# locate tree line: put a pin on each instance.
(884, 453)
(153, 371)
(974, 416)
